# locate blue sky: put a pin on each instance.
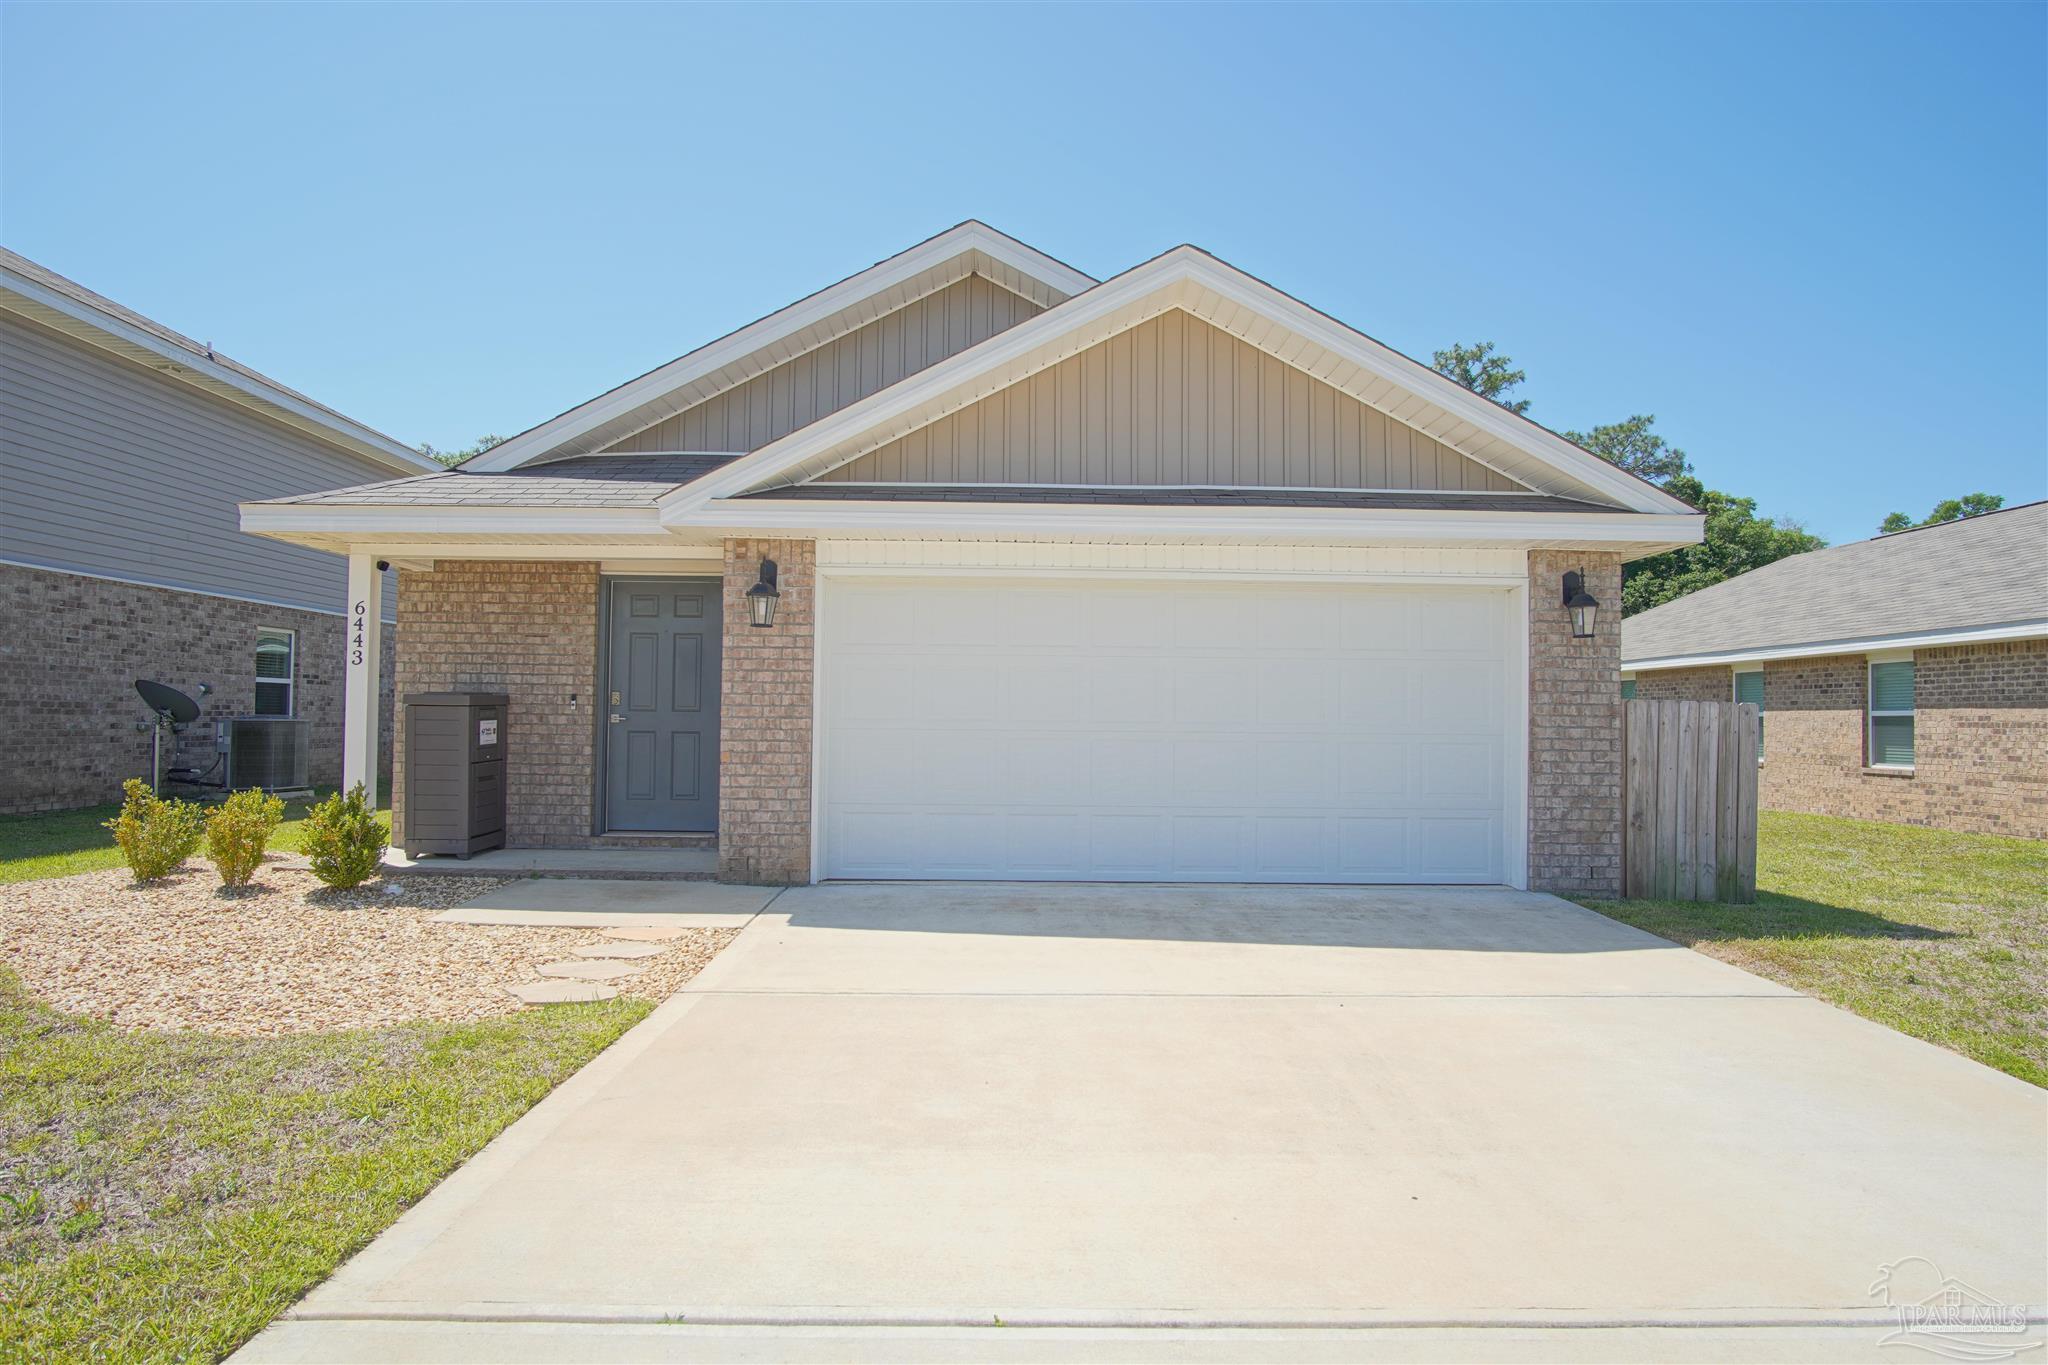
(1810, 239)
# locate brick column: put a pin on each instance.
(1575, 757)
(764, 768)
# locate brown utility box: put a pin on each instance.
(454, 772)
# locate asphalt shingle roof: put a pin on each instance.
(586, 481)
(1981, 571)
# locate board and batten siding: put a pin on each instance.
(849, 368)
(111, 469)
(1173, 401)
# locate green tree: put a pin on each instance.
(1479, 369)
(1737, 540)
(1948, 509)
(451, 458)
(1633, 446)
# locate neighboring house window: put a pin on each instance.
(276, 652)
(1749, 687)
(1628, 689)
(1891, 713)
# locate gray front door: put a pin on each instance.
(661, 713)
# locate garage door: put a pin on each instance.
(1117, 731)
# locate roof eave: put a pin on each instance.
(282, 520)
(1814, 649)
(1631, 533)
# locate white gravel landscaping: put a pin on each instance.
(287, 955)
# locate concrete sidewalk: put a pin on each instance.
(889, 1112)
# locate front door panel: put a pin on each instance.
(661, 712)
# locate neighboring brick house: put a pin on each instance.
(124, 448)
(1165, 577)
(1903, 678)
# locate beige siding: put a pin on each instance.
(1172, 401)
(821, 381)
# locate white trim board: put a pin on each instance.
(1931, 639)
(970, 248)
(1636, 533)
(319, 525)
(1334, 563)
(1226, 297)
(263, 518)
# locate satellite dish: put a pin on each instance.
(168, 702)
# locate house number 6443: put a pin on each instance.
(355, 633)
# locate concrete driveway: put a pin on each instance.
(1477, 1115)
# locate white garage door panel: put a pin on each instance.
(1118, 731)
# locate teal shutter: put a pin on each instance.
(1749, 687)
(1891, 713)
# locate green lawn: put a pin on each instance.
(1942, 936)
(163, 1196)
(60, 843)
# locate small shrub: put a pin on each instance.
(238, 831)
(343, 840)
(156, 836)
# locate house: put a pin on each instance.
(1903, 678)
(124, 448)
(1162, 577)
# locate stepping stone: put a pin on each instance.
(648, 933)
(562, 992)
(619, 951)
(590, 971)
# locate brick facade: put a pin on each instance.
(1980, 737)
(1685, 684)
(531, 630)
(764, 772)
(1980, 740)
(71, 648)
(528, 629)
(1575, 755)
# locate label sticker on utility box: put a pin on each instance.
(487, 732)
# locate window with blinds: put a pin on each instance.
(1891, 714)
(276, 652)
(1749, 687)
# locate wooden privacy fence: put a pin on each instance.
(1689, 800)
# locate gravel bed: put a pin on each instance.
(287, 955)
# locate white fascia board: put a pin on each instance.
(211, 376)
(806, 312)
(366, 523)
(1334, 525)
(1142, 292)
(1929, 639)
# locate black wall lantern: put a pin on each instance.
(762, 597)
(1581, 604)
